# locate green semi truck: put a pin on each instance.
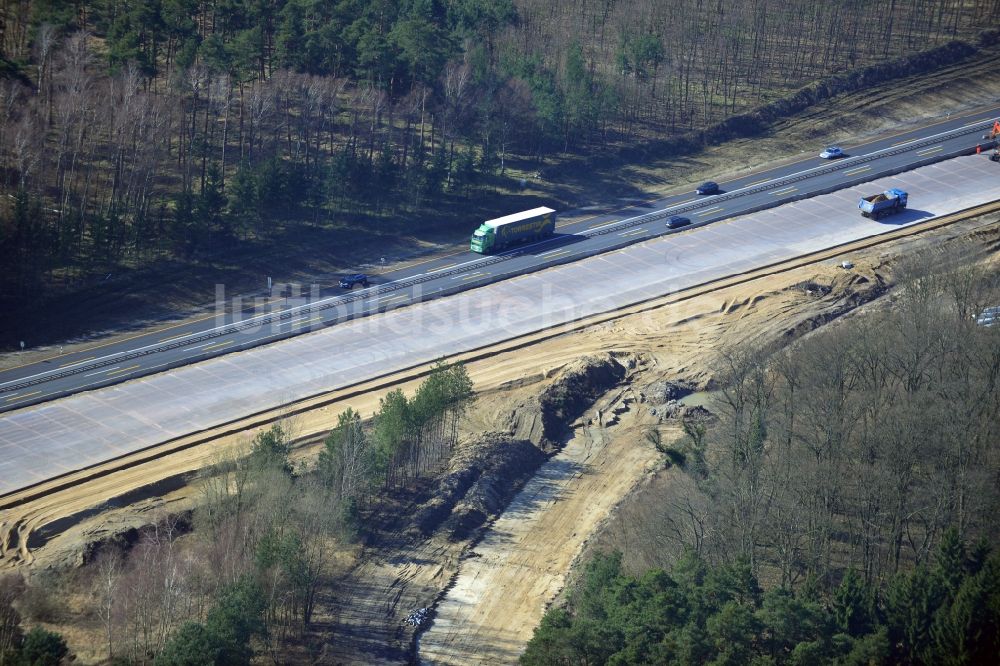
(503, 232)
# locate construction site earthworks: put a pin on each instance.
(556, 440)
(563, 437)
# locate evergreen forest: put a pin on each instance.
(149, 133)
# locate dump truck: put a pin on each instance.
(504, 232)
(880, 205)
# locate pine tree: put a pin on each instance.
(192, 645)
(968, 630)
(911, 602)
(210, 206)
(950, 562)
(243, 196)
(854, 605)
(42, 647)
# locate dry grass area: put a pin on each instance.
(499, 585)
(490, 592)
(522, 563)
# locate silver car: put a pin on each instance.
(831, 153)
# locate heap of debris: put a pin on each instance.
(417, 617)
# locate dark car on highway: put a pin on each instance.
(676, 222)
(349, 281)
(708, 187)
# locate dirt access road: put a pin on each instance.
(488, 594)
(490, 588)
(521, 564)
(506, 580)
(672, 338)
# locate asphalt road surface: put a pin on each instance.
(218, 335)
(90, 427)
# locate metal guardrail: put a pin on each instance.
(803, 175)
(407, 283)
(253, 322)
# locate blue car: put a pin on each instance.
(708, 187)
(676, 222)
(349, 281)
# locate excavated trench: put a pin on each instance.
(395, 576)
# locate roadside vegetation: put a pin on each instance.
(841, 505)
(240, 576)
(167, 133)
(840, 508)
(942, 612)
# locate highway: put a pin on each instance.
(49, 440)
(214, 336)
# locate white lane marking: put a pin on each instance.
(441, 268)
(520, 249)
(558, 254)
(928, 151)
(128, 369)
(784, 190)
(717, 209)
(217, 345)
(21, 396)
(101, 372)
(294, 320)
(611, 224)
(851, 172)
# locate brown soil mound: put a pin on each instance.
(546, 419)
(486, 474)
(488, 471)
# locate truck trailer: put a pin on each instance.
(503, 232)
(880, 205)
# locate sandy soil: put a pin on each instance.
(673, 337)
(506, 580)
(498, 596)
(522, 563)
(498, 587)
